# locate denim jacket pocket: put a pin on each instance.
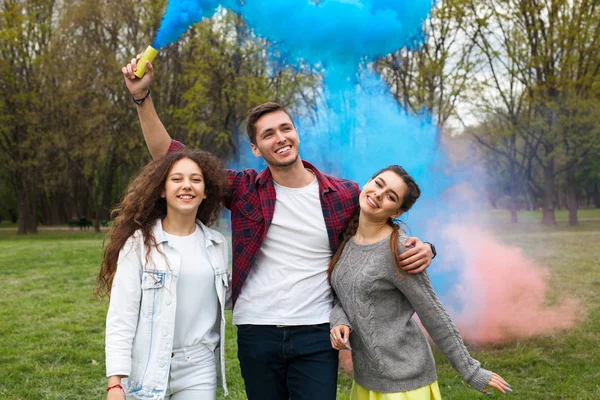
(153, 287)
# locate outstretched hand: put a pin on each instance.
(417, 258)
(137, 87)
(498, 383)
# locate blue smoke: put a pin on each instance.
(180, 16)
(360, 127)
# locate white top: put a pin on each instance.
(288, 283)
(197, 301)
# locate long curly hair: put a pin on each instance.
(409, 199)
(142, 205)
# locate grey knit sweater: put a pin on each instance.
(389, 351)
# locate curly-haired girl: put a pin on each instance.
(166, 274)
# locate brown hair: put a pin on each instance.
(255, 113)
(408, 201)
(142, 205)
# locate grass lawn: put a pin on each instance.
(52, 327)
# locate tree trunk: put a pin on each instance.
(596, 195)
(27, 222)
(530, 200)
(548, 216)
(13, 215)
(571, 198)
(109, 172)
(513, 196)
(54, 210)
(513, 214)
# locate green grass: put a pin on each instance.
(52, 327)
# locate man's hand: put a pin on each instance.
(417, 258)
(137, 87)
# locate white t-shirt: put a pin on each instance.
(197, 301)
(288, 283)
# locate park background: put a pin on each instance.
(512, 88)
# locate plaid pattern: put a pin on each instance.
(252, 203)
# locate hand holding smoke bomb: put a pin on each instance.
(135, 76)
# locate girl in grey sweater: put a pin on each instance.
(375, 302)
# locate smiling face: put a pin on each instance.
(184, 187)
(382, 197)
(276, 139)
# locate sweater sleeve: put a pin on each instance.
(338, 315)
(434, 317)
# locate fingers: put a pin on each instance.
(411, 241)
(499, 384)
(149, 70)
(333, 337)
(344, 339)
(129, 69)
(410, 256)
(414, 259)
(417, 266)
(418, 258)
(339, 337)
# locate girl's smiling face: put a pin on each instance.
(382, 196)
(184, 187)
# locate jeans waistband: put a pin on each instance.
(299, 326)
(187, 350)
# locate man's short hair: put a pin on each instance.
(255, 113)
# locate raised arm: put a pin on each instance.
(434, 317)
(156, 136)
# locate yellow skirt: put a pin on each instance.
(429, 392)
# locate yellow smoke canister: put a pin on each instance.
(149, 55)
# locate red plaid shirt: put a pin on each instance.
(252, 203)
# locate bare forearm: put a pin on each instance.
(156, 136)
(116, 392)
(114, 380)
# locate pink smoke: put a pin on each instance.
(503, 293)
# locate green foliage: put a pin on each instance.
(227, 72)
(69, 136)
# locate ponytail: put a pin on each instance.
(350, 231)
(394, 239)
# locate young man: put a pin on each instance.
(286, 221)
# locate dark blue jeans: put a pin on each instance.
(289, 362)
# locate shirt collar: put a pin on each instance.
(209, 234)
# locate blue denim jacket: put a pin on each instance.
(141, 317)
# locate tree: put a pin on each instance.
(551, 49)
(432, 77)
(227, 70)
(25, 33)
